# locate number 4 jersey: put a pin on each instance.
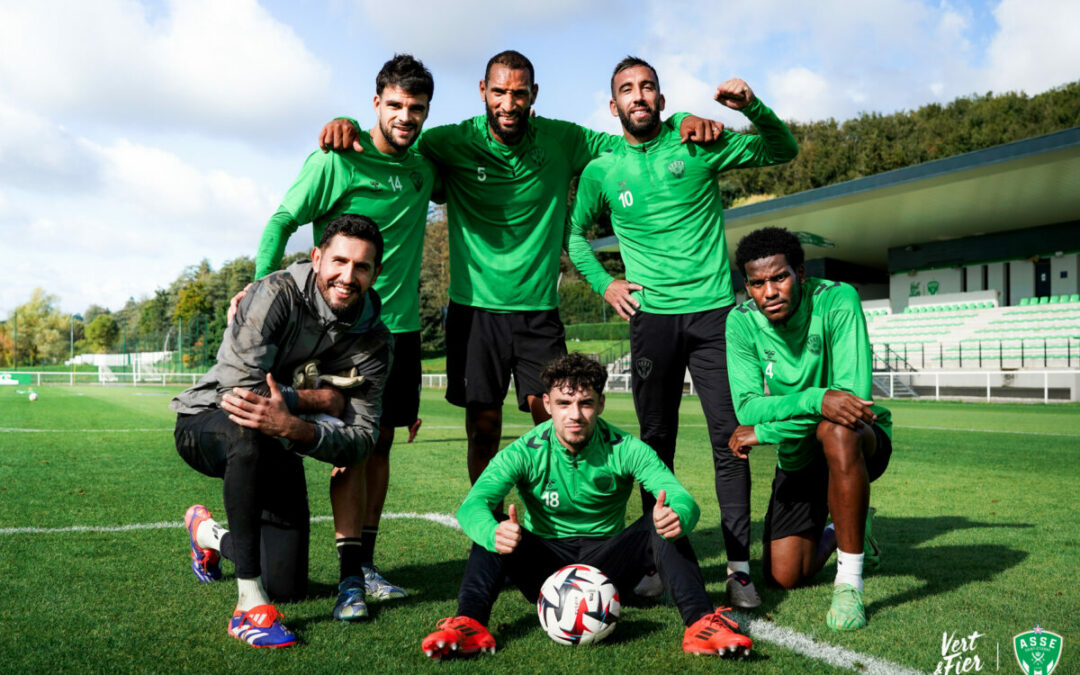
(392, 190)
(824, 345)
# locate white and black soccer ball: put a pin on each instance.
(577, 605)
(33, 396)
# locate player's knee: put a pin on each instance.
(245, 444)
(829, 432)
(782, 576)
(383, 445)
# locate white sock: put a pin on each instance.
(849, 569)
(734, 566)
(252, 594)
(209, 534)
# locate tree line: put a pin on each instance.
(190, 314)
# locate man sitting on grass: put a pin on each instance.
(239, 425)
(805, 339)
(574, 474)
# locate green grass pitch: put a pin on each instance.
(976, 516)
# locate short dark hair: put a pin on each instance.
(408, 73)
(512, 60)
(632, 62)
(574, 371)
(767, 242)
(357, 227)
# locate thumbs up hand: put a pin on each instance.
(508, 533)
(665, 519)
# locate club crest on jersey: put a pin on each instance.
(537, 156)
(813, 343)
(417, 179)
(375, 184)
(643, 367)
(1038, 651)
(604, 483)
(677, 168)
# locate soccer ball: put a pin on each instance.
(578, 604)
(33, 396)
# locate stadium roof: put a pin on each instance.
(1027, 183)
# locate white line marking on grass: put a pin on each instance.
(760, 630)
(831, 654)
(78, 431)
(988, 431)
(439, 518)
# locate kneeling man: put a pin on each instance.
(805, 339)
(239, 425)
(574, 474)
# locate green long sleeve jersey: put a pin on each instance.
(567, 494)
(823, 346)
(392, 190)
(507, 207)
(666, 210)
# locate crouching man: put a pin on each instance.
(805, 339)
(240, 425)
(574, 474)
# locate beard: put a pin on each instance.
(641, 128)
(508, 136)
(387, 131)
(345, 311)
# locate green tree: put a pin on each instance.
(42, 330)
(434, 282)
(102, 332)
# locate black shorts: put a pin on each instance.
(401, 396)
(484, 348)
(800, 499)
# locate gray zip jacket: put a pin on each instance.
(284, 322)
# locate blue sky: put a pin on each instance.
(137, 138)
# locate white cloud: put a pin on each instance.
(802, 93)
(205, 65)
(152, 215)
(1037, 47)
(37, 154)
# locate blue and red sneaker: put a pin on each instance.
(205, 562)
(259, 627)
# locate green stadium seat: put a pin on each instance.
(1075, 297)
(1025, 301)
(1044, 300)
(1055, 299)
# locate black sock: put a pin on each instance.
(350, 557)
(367, 543)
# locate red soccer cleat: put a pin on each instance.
(715, 634)
(460, 635)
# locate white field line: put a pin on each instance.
(529, 426)
(440, 518)
(830, 654)
(760, 630)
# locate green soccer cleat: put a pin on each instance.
(847, 611)
(871, 550)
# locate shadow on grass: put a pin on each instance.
(941, 568)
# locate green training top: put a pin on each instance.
(568, 495)
(392, 190)
(666, 210)
(823, 346)
(506, 207)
